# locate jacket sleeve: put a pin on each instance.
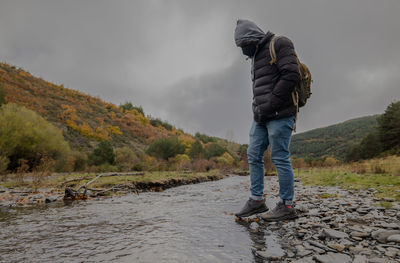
(287, 67)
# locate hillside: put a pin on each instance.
(332, 140)
(83, 119)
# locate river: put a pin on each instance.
(190, 223)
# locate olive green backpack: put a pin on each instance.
(302, 91)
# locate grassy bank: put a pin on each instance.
(381, 174)
(57, 181)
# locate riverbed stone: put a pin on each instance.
(390, 225)
(382, 235)
(359, 234)
(394, 238)
(331, 233)
(381, 260)
(271, 254)
(360, 259)
(331, 257)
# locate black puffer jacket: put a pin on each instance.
(272, 84)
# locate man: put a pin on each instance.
(274, 116)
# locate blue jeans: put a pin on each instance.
(277, 134)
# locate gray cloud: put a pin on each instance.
(178, 60)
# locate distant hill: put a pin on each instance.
(85, 119)
(332, 140)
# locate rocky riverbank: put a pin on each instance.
(334, 225)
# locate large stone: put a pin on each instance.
(331, 257)
(382, 235)
(390, 225)
(360, 259)
(331, 233)
(381, 260)
(394, 238)
(271, 254)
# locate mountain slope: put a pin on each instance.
(332, 140)
(84, 119)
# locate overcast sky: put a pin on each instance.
(178, 60)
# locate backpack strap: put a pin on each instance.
(272, 52)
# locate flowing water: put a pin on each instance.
(190, 223)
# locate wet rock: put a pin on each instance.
(254, 226)
(394, 238)
(331, 233)
(382, 235)
(51, 199)
(331, 257)
(273, 255)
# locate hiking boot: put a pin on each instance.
(280, 212)
(252, 207)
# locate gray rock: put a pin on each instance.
(304, 260)
(331, 257)
(302, 252)
(327, 232)
(382, 235)
(360, 259)
(390, 225)
(254, 226)
(380, 260)
(273, 254)
(359, 234)
(394, 238)
(51, 199)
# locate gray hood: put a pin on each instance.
(247, 32)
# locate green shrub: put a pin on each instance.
(196, 150)
(166, 148)
(103, 153)
(205, 138)
(124, 158)
(159, 123)
(130, 106)
(214, 150)
(4, 161)
(24, 134)
(80, 161)
(2, 95)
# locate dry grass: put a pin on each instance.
(381, 174)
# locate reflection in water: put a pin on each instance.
(191, 223)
